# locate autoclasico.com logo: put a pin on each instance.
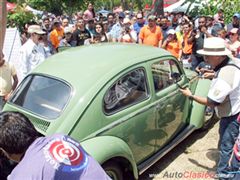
(192, 175)
(184, 175)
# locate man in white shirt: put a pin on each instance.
(31, 53)
(224, 96)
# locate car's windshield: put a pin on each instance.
(43, 96)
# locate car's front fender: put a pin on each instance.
(104, 148)
(198, 110)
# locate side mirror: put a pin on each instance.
(176, 77)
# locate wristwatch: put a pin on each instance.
(191, 97)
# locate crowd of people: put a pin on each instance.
(176, 32)
(205, 42)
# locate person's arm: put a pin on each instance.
(201, 100)
(191, 39)
(165, 43)
(160, 43)
(180, 54)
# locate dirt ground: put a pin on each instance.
(194, 158)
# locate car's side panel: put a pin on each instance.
(198, 110)
(104, 148)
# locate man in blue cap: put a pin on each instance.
(235, 22)
(44, 158)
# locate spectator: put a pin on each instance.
(80, 34)
(117, 28)
(100, 33)
(197, 38)
(37, 157)
(234, 43)
(91, 27)
(128, 35)
(56, 34)
(187, 45)
(224, 96)
(89, 13)
(165, 27)
(151, 34)
(31, 53)
(46, 25)
(219, 17)
(172, 44)
(110, 21)
(65, 22)
(235, 22)
(139, 24)
(8, 73)
(67, 38)
(47, 45)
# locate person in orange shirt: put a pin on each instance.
(151, 34)
(172, 44)
(187, 45)
(56, 34)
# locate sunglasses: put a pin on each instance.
(232, 34)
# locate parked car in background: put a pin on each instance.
(121, 101)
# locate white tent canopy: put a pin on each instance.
(34, 11)
(181, 6)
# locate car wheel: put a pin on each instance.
(113, 170)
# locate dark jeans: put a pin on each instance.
(228, 130)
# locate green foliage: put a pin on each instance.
(19, 17)
(211, 7)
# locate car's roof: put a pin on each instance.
(95, 62)
(89, 68)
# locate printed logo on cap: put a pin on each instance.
(66, 154)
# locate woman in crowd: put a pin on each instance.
(100, 34)
(173, 45)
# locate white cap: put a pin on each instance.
(171, 31)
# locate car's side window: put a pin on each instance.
(128, 90)
(163, 72)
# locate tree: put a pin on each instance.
(157, 7)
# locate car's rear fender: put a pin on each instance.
(107, 148)
(198, 110)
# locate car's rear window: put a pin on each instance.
(42, 95)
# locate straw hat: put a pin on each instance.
(214, 46)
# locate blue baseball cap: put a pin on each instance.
(237, 15)
(121, 15)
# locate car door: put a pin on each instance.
(171, 107)
(127, 103)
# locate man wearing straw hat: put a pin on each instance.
(224, 96)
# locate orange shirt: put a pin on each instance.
(151, 37)
(174, 47)
(56, 36)
(187, 48)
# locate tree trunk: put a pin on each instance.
(124, 4)
(157, 7)
(3, 22)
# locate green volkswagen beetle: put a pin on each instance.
(121, 101)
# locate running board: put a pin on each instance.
(149, 162)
